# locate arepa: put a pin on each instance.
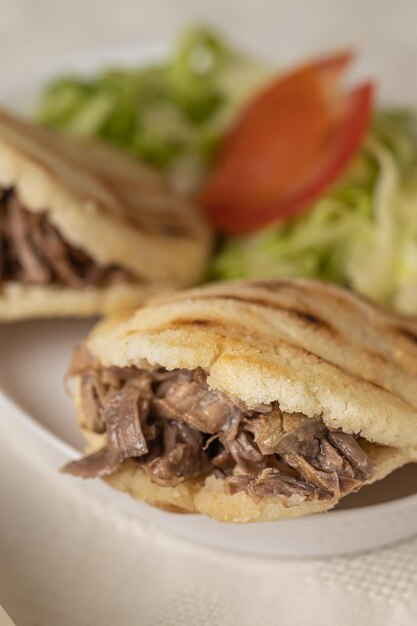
(86, 230)
(248, 401)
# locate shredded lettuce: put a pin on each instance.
(362, 233)
(170, 113)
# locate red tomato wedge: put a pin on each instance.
(288, 146)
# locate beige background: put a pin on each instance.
(36, 34)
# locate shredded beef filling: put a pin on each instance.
(175, 427)
(32, 251)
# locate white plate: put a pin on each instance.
(5, 619)
(33, 358)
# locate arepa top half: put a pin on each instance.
(311, 346)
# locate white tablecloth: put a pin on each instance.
(66, 559)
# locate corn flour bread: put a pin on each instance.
(248, 401)
(86, 230)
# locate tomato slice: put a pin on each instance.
(288, 146)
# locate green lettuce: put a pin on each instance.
(362, 233)
(170, 113)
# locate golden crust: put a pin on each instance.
(313, 347)
(105, 203)
(19, 302)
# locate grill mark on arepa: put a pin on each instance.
(168, 223)
(339, 368)
(311, 319)
(333, 331)
(321, 325)
(303, 316)
(349, 373)
(407, 334)
(314, 322)
(195, 322)
(163, 222)
(267, 284)
(178, 323)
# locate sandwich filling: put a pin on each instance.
(176, 428)
(33, 252)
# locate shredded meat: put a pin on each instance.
(176, 427)
(180, 456)
(32, 251)
(271, 482)
(192, 403)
